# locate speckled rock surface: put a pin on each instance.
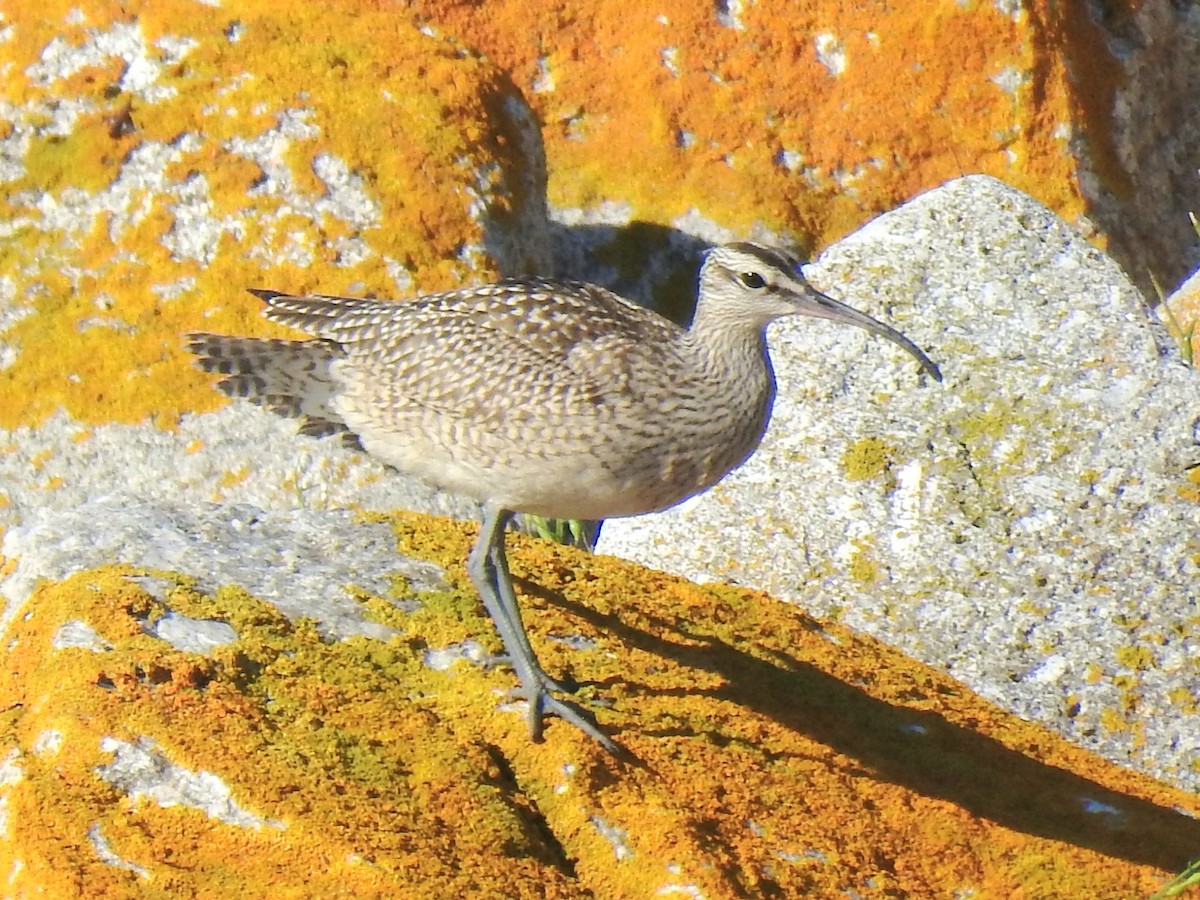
(314, 564)
(77, 497)
(1030, 526)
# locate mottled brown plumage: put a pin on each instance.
(557, 398)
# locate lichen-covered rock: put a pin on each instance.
(156, 158)
(1031, 525)
(160, 741)
(256, 698)
(812, 118)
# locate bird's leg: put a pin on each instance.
(485, 575)
(504, 586)
(488, 569)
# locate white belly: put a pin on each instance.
(581, 485)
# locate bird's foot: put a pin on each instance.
(567, 686)
(543, 703)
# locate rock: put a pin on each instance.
(158, 161)
(307, 563)
(810, 121)
(1030, 526)
(773, 755)
(225, 678)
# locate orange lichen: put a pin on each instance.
(758, 123)
(116, 265)
(1191, 490)
(776, 754)
(698, 111)
(368, 793)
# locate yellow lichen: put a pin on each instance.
(235, 477)
(863, 568)
(1136, 657)
(1113, 721)
(1185, 699)
(867, 458)
(413, 119)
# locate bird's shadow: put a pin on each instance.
(653, 265)
(919, 750)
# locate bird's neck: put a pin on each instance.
(731, 377)
(728, 351)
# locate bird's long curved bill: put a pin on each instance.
(820, 306)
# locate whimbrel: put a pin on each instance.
(556, 398)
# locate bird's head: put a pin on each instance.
(751, 285)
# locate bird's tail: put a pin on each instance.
(290, 378)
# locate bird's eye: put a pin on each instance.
(752, 280)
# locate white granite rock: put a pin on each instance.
(306, 563)
(1027, 526)
(232, 497)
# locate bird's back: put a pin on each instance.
(515, 357)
